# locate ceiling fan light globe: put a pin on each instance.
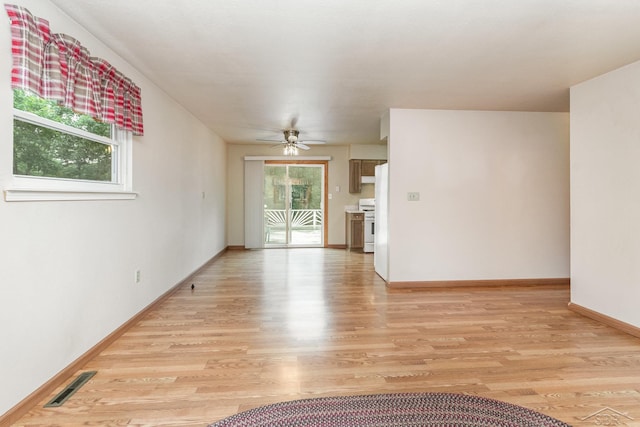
(290, 149)
(291, 136)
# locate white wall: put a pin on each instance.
(368, 151)
(338, 177)
(605, 194)
(67, 268)
(494, 195)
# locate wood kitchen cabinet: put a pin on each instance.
(359, 168)
(354, 230)
(355, 174)
(368, 167)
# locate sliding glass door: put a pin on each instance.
(293, 204)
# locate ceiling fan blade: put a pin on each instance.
(301, 145)
(294, 121)
(314, 141)
(269, 139)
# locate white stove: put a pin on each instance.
(368, 206)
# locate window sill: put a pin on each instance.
(44, 195)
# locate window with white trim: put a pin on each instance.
(58, 150)
(52, 141)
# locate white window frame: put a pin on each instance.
(23, 188)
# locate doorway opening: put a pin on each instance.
(294, 204)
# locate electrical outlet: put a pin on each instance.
(137, 276)
(413, 196)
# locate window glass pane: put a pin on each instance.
(275, 185)
(40, 151)
(305, 187)
(51, 110)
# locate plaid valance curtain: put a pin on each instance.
(58, 67)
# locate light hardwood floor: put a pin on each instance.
(274, 325)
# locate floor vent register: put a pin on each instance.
(68, 391)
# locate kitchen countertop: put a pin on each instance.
(352, 209)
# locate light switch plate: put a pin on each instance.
(413, 196)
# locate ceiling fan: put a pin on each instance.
(291, 143)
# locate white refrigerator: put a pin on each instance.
(381, 253)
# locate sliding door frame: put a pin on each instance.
(325, 204)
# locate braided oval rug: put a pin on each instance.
(403, 409)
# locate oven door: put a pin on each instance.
(369, 231)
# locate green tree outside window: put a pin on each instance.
(45, 152)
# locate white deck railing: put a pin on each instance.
(299, 217)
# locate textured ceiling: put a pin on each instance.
(247, 68)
